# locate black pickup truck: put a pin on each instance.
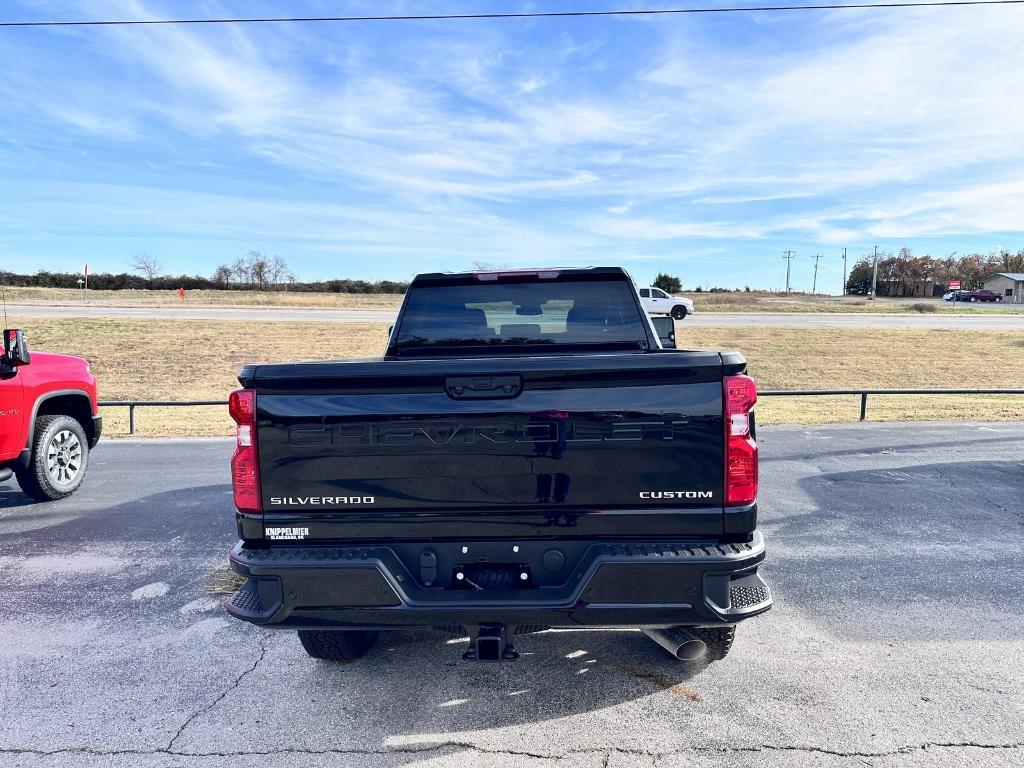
(525, 455)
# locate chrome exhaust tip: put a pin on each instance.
(680, 642)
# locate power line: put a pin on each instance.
(523, 15)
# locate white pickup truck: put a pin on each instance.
(656, 302)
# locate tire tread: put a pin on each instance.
(343, 646)
(719, 640)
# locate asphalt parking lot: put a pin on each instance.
(897, 638)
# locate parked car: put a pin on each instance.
(978, 295)
(656, 302)
(49, 416)
(525, 455)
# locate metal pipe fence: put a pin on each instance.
(131, 405)
(863, 393)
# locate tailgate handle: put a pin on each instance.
(483, 387)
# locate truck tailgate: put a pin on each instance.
(512, 437)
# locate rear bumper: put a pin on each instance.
(610, 584)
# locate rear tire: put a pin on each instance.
(718, 640)
(60, 456)
(678, 312)
(342, 645)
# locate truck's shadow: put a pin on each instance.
(11, 495)
(931, 546)
(428, 695)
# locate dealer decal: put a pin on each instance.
(286, 534)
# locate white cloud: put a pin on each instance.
(659, 229)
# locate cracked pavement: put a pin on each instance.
(897, 638)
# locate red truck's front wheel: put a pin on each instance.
(59, 457)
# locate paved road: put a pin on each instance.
(991, 321)
(897, 638)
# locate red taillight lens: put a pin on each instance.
(245, 468)
(739, 395)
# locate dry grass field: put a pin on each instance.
(834, 358)
(197, 360)
(754, 301)
(189, 360)
(197, 298)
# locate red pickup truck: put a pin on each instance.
(49, 419)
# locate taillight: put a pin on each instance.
(245, 468)
(739, 395)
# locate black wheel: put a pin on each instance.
(974, 298)
(717, 639)
(678, 312)
(344, 645)
(60, 455)
(999, 298)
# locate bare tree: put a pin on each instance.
(256, 271)
(259, 269)
(222, 275)
(277, 271)
(146, 265)
(240, 269)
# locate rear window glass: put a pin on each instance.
(520, 314)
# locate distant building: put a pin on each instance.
(1009, 285)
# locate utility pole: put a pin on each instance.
(844, 271)
(874, 277)
(814, 285)
(789, 258)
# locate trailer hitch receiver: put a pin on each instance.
(490, 642)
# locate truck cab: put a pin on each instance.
(49, 416)
(524, 455)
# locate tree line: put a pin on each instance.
(253, 272)
(899, 273)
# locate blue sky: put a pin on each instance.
(704, 146)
